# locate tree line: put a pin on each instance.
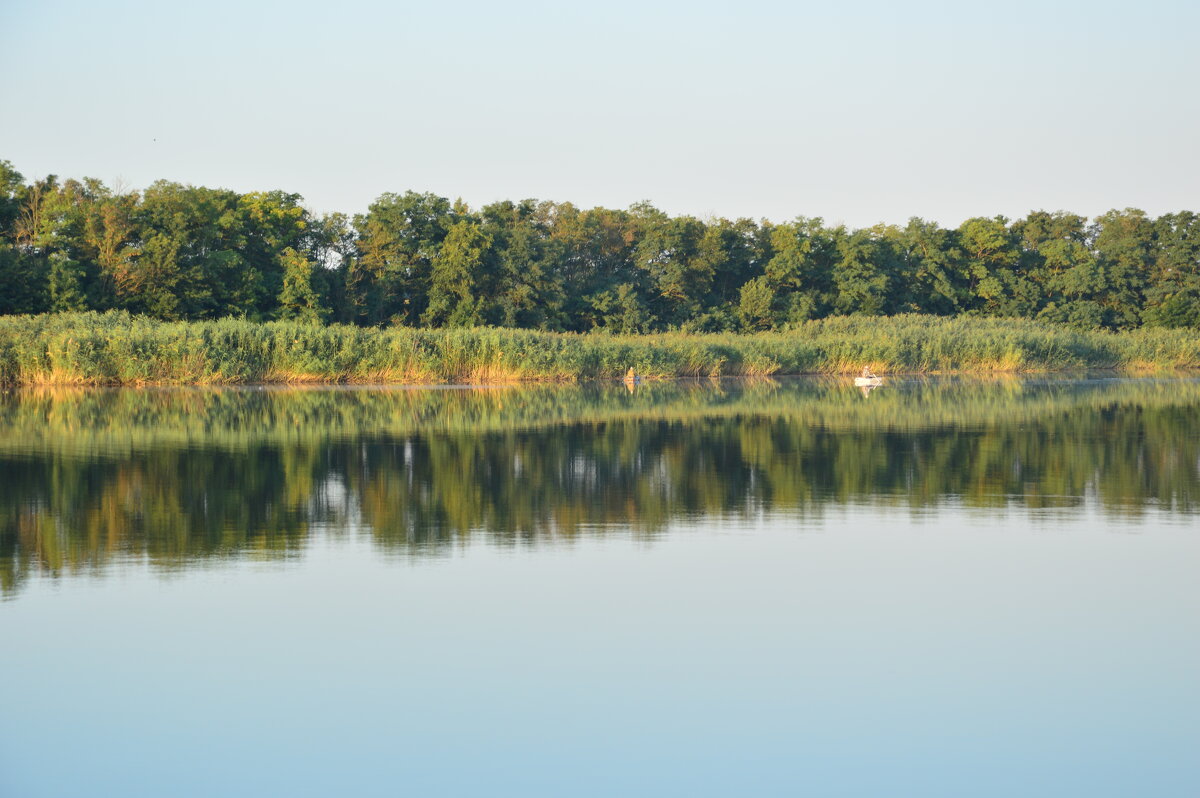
(179, 252)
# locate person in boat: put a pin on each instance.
(867, 372)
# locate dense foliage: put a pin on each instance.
(177, 252)
(119, 348)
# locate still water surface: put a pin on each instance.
(945, 588)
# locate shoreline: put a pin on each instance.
(366, 383)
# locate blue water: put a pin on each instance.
(944, 655)
(863, 646)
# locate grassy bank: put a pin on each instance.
(120, 349)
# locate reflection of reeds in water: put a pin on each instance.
(116, 348)
(184, 475)
(94, 421)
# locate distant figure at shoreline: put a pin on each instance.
(867, 372)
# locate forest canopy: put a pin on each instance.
(180, 252)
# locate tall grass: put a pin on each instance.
(117, 348)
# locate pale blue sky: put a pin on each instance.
(856, 111)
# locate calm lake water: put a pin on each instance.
(954, 587)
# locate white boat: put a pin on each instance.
(868, 382)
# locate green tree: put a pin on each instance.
(861, 277)
(591, 253)
(679, 272)
(23, 275)
(12, 185)
(1124, 242)
(756, 304)
(1173, 291)
(156, 287)
(110, 237)
(734, 252)
(527, 290)
(66, 284)
(23, 282)
(333, 248)
(991, 259)
(398, 239)
(190, 262)
(455, 291)
(1057, 258)
(260, 227)
(627, 313)
(800, 269)
(934, 277)
(298, 299)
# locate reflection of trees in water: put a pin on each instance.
(214, 474)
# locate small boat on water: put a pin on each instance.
(868, 379)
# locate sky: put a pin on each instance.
(858, 112)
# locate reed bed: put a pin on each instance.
(118, 348)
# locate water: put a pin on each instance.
(945, 588)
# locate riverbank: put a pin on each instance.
(117, 348)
